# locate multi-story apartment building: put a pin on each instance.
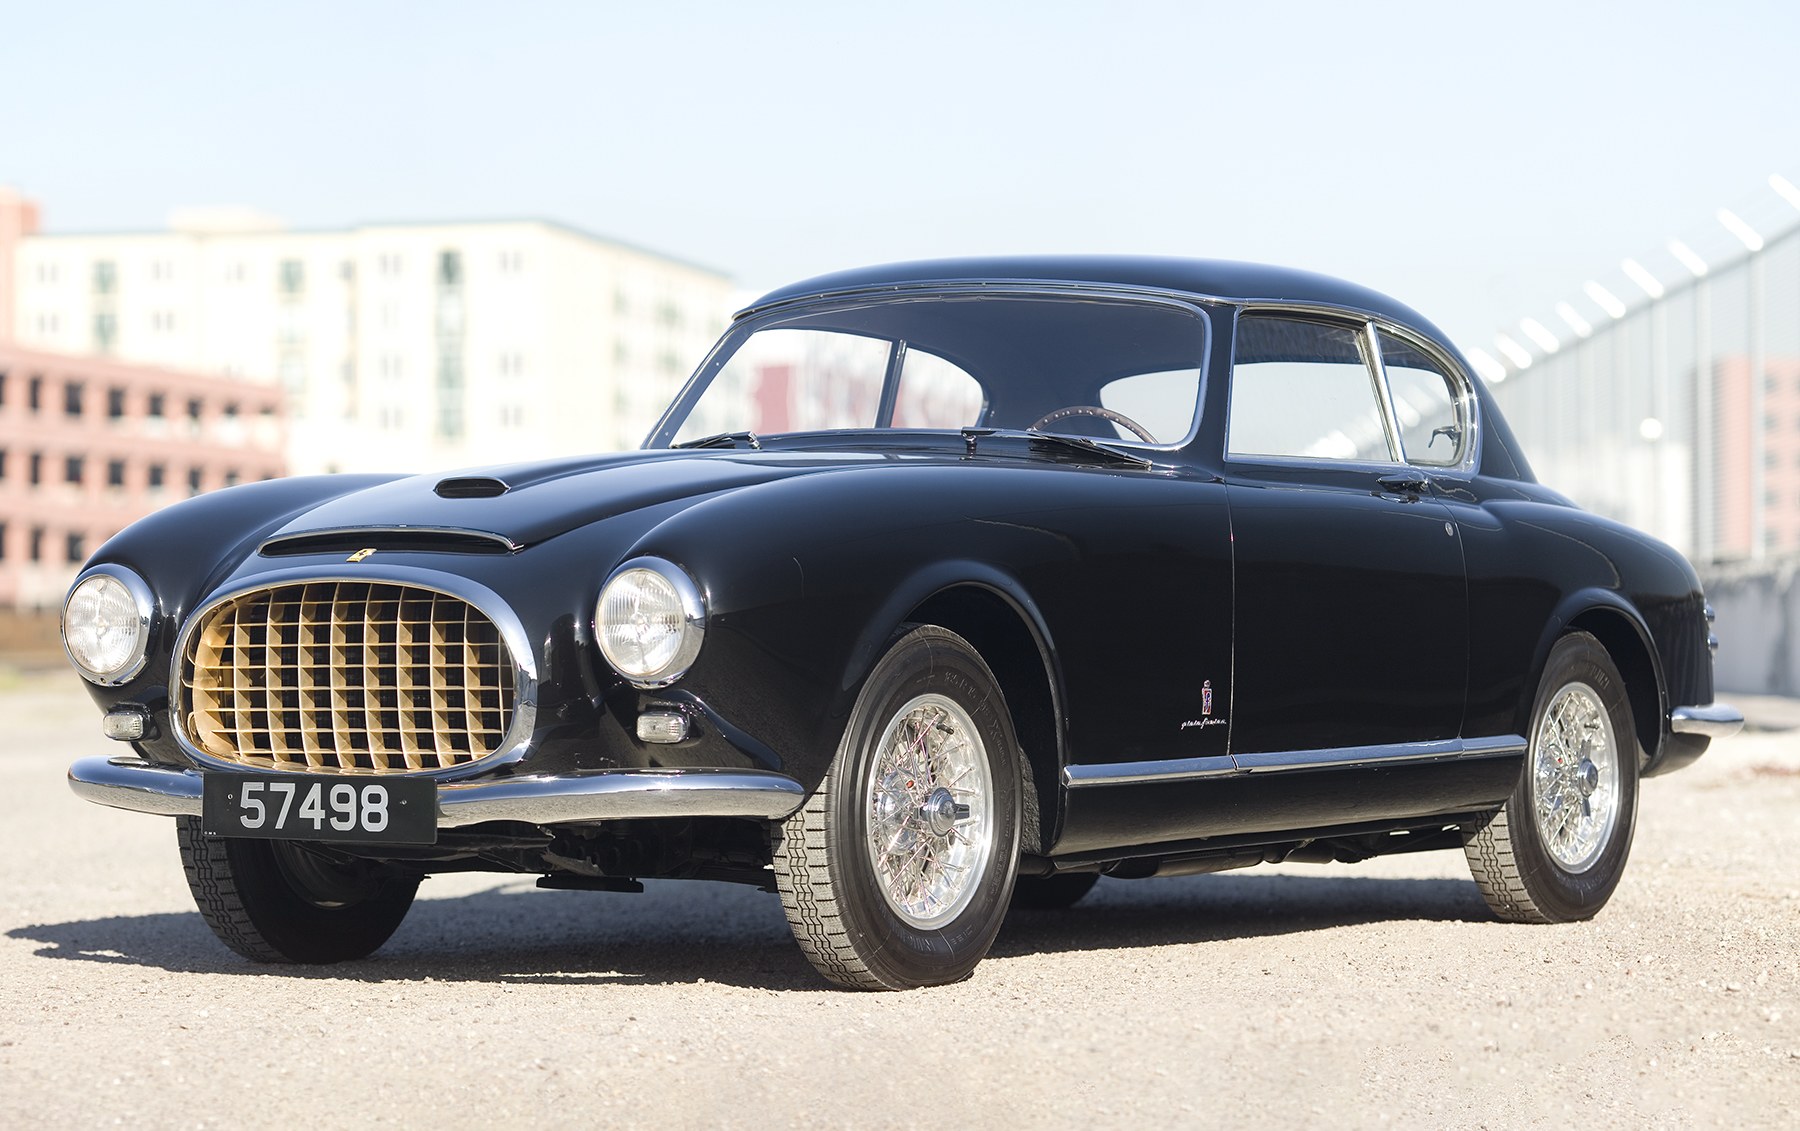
(87, 446)
(396, 346)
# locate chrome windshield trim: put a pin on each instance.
(1131, 773)
(753, 320)
(1715, 720)
(604, 795)
(514, 746)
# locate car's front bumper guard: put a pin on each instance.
(603, 795)
(1715, 720)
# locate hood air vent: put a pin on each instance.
(472, 487)
(407, 540)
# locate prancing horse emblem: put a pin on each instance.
(360, 554)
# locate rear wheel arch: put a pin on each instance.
(1626, 642)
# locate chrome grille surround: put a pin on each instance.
(390, 670)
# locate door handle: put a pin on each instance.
(1405, 483)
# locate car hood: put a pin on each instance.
(524, 504)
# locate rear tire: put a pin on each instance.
(897, 871)
(1557, 849)
(279, 901)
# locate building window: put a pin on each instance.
(36, 474)
(106, 277)
(2, 463)
(153, 407)
(162, 270)
(2, 541)
(115, 404)
(234, 272)
(75, 548)
(72, 396)
(73, 466)
(449, 268)
(153, 476)
(34, 394)
(512, 262)
(37, 544)
(106, 331)
(193, 481)
(231, 477)
(115, 473)
(194, 407)
(293, 276)
(2, 386)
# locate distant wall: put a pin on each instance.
(1758, 626)
(30, 638)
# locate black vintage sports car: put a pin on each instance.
(941, 587)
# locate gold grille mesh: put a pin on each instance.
(347, 677)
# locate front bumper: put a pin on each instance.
(603, 795)
(1714, 720)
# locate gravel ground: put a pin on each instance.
(1361, 995)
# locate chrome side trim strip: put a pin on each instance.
(606, 795)
(1291, 761)
(1131, 773)
(1349, 757)
(1715, 720)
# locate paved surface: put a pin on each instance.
(1365, 995)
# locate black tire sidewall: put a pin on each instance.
(295, 928)
(925, 661)
(1559, 894)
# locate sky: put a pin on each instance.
(1477, 161)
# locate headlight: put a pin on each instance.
(106, 625)
(650, 620)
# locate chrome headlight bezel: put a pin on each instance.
(144, 604)
(684, 600)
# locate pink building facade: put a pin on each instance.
(89, 445)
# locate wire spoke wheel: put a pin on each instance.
(1557, 849)
(930, 809)
(1575, 777)
(898, 869)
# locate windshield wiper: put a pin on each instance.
(722, 440)
(1061, 444)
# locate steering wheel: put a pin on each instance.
(1118, 418)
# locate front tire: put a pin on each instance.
(1557, 849)
(279, 901)
(897, 871)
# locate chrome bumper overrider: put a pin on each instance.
(605, 795)
(1715, 720)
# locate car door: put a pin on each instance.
(1350, 617)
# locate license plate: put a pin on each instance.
(319, 807)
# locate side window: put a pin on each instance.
(1162, 402)
(936, 394)
(1302, 389)
(1433, 429)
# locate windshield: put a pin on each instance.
(1105, 369)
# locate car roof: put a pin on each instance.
(1203, 278)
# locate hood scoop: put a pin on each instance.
(472, 487)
